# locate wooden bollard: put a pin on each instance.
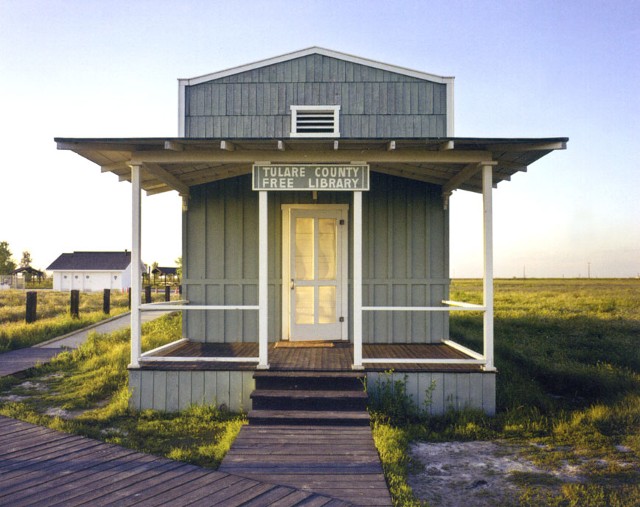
(75, 304)
(167, 293)
(147, 294)
(106, 301)
(129, 296)
(32, 306)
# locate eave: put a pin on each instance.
(180, 163)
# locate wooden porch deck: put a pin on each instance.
(338, 357)
(43, 467)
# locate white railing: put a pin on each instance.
(182, 305)
(452, 306)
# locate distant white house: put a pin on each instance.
(92, 271)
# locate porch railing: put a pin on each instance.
(182, 305)
(452, 306)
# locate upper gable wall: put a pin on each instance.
(375, 103)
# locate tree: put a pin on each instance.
(178, 262)
(26, 261)
(6, 262)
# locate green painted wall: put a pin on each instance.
(374, 103)
(169, 391)
(405, 258)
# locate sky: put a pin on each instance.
(523, 68)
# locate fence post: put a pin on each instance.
(129, 296)
(106, 301)
(75, 304)
(147, 294)
(167, 293)
(32, 305)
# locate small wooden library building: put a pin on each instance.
(315, 189)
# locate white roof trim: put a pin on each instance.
(320, 51)
(181, 110)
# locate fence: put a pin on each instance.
(31, 309)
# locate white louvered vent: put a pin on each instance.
(315, 121)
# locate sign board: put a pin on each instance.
(320, 177)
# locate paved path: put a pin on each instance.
(17, 361)
(338, 461)
(43, 467)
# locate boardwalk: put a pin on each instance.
(341, 462)
(39, 466)
(18, 361)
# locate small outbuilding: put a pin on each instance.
(18, 277)
(92, 271)
(315, 191)
(166, 275)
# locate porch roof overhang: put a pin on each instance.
(180, 163)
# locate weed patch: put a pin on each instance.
(568, 389)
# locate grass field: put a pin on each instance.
(568, 386)
(53, 318)
(85, 392)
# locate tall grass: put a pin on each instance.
(54, 304)
(559, 344)
(53, 316)
(568, 359)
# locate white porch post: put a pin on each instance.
(487, 208)
(263, 282)
(357, 281)
(136, 270)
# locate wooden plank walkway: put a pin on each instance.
(16, 361)
(341, 462)
(43, 467)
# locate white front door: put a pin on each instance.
(316, 271)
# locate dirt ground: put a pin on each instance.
(471, 474)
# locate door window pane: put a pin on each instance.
(304, 305)
(304, 249)
(327, 304)
(327, 248)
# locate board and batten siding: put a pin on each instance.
(438, 392)
(170, 390)
(405, 261)
(374, 102)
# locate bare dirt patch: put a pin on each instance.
(474, 474)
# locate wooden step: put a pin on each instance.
(309, 380)
(309, 417)
(309, 399)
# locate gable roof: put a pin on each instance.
(29, 270)
(100, 261)
(165, 271)
(315, 50)
(447, 81)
